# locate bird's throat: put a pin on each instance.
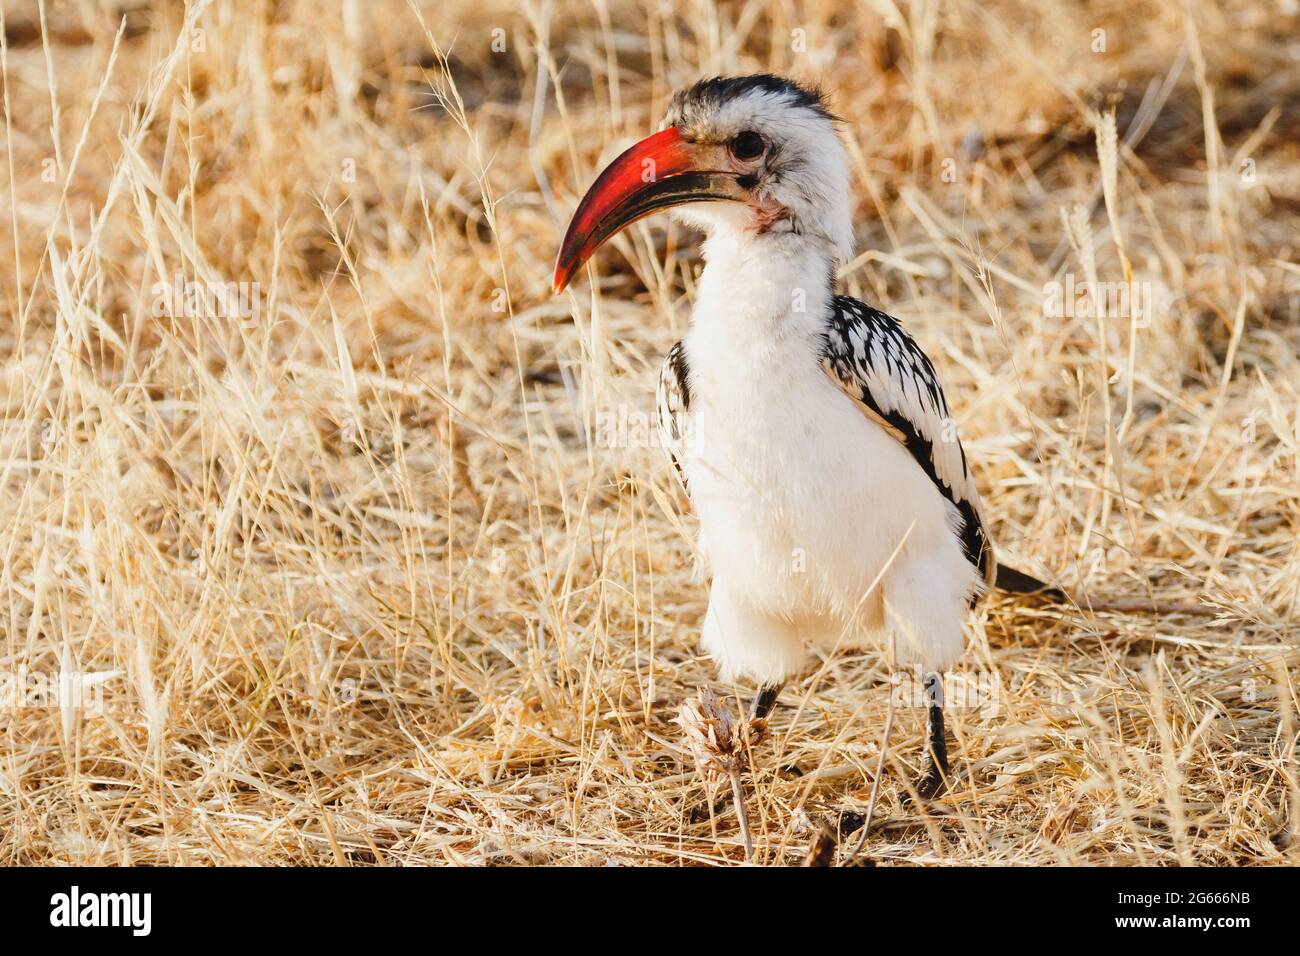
(771, 284)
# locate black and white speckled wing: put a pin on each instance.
(674, 404)
(879, 365)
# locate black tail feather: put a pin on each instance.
(1010, 580)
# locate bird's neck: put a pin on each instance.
(771, 285)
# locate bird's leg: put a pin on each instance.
(764, 701)
(934, 780)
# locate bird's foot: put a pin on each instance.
(931, 785)
(936, 779)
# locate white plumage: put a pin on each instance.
(817, 523)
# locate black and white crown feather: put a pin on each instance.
(698, 102)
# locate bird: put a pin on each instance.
(836, 505)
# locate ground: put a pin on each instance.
(350, 543)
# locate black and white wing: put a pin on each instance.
(674, 404)
(879, 365)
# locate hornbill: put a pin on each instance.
(835, 501)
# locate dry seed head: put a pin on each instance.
(716, 737)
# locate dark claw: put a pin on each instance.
(931, 785)
(702, 811)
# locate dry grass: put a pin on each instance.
(360, 579)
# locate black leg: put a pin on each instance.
(935, 779)
(764, 701)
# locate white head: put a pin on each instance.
(781, 138)
(753, 156)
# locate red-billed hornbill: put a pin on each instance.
(834, 498)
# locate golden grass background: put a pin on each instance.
(358, 580)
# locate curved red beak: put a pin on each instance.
(660, 171)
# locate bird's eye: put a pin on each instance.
(747, 145)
